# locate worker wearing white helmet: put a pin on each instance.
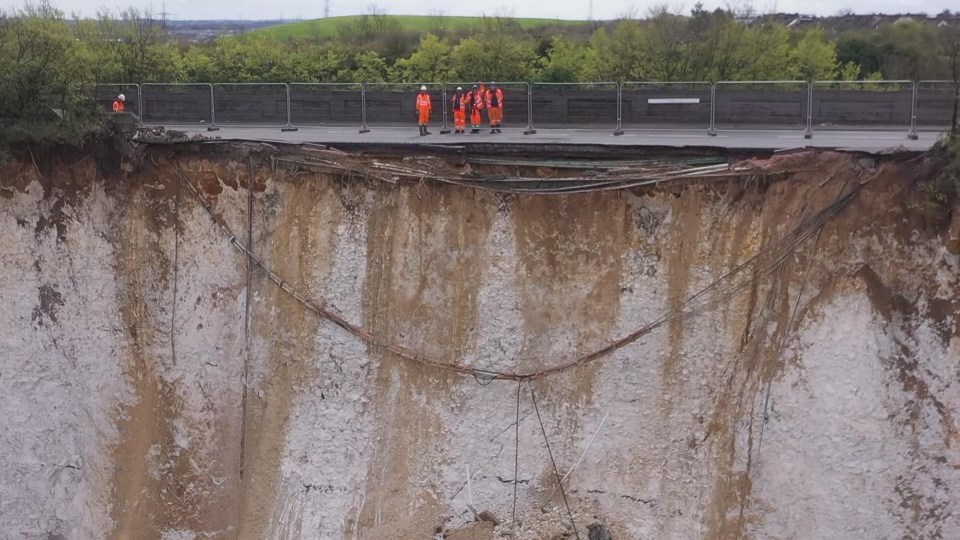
(423, 110)
(120, 105)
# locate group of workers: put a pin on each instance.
(470, 105)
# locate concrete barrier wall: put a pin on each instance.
(318, 106)
(245, 105)
(552, 107)
(641, 108)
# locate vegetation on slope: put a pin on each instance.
(335, 27)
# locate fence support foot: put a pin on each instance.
(364, 130)
(618, 132)
(289, 129)
(213, 128)
(912, 136)
(712, 133)
(807, 134)
(444, 131)
(530, 131)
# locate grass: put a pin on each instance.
(330, 28)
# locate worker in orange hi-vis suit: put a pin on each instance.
(494, 102)
(460, 101)
(477, 102)
(120, 104)
(423, 110)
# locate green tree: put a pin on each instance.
(564, 61)
(369, 67)
(814, 58)
(493, 57)
(45, 76)
(430, 63)
(139, 45)
(598, 65)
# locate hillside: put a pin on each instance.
(330, 27)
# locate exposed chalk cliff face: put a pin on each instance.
(152, 385)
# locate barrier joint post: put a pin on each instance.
(289, 126)
(619, 130)
(213, 112)
(363, 109)
(912, 134)
(139, 105)
(445, 130)
(808, 131)
(530, 130)
(712, 130)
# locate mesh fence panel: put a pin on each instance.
(183, 104)
(761, 104)
(653, 105)
(105, 94)
(250, 104)
(394, 104)
(935, 101)
(575, 105)
(862, 103)
(326, 104)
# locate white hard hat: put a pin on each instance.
(423, 88)
(122, 97)
(459, 88)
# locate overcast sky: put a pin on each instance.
(564, 9)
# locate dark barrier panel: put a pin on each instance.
(862, 104)
(250, 104)
(649, 105)
(176, 104)
(394, 104)
(575, 105)
(326, 104)
(935, 104)
(761, 104)
(105, 94)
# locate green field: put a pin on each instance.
(330, 28)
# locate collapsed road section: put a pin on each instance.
(214, 339)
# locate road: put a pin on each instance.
(865, 140)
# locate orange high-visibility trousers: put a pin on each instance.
(496, 115)
(460, 119)
(475, 118)
(424, 116)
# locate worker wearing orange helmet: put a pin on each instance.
(423, 110)
(460, 104)
(477, 103)
(494, 103)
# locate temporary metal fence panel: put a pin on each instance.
(664, 105)
(105, 94)
(394, 104)
(177, 103)
(760, 104)
(934, 104)
(862, 104)
(250, 103)
(326, 104)
(575, 105)
(516, 105)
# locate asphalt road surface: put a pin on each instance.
(873, 140)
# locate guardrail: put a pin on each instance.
(635, 105)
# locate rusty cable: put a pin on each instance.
(781, 249)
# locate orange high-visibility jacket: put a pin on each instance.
(478, 98)
(118, 106)
(494, 98)
(423, 101)
(460, 101)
